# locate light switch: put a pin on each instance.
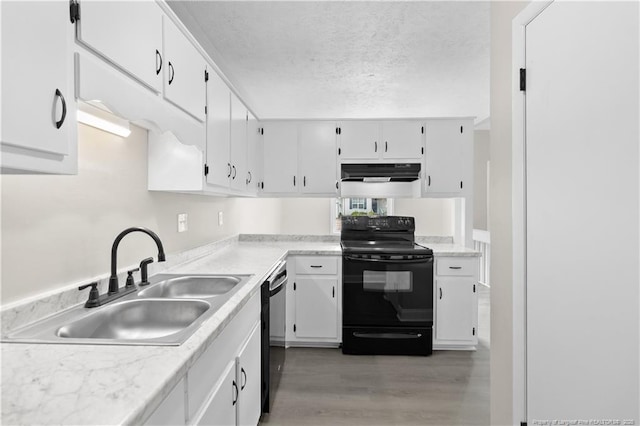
(220, 221)
(183, 222)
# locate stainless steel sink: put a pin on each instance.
(136, 319)
(167, 312)
(194, 286)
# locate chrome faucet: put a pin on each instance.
(113, 279)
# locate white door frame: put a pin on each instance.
(518, 209)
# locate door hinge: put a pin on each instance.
(474, 331)
(74, 11)
(294, 328)
(206, 75)
(206, 170)
(205, 110)
(523, 79)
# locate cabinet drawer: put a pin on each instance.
(316, 265)
(467, 266)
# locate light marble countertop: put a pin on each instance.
(91, 384)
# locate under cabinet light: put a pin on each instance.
(102, 119)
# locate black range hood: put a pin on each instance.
(380, 172)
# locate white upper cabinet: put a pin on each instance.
(38, 123)
(402, 139)
(128, 35)
(238, 144)
(382, 141)
(280, 157)
(359, 140)
(184, 71)
(448, 155)
(254, 154)
(317, 157)
(218, 131)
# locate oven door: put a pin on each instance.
(388, 291)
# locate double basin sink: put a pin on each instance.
(166, 312)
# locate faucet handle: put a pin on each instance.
(130, 280)
(94, 295)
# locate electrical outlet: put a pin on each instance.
(183, 222)
(220, 221)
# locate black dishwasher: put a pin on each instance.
(273, 315)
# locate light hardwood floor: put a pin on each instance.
(325, 387)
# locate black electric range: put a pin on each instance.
(387, 282)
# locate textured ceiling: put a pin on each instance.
(307, 59)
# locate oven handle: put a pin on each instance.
(388, 335)
(420, 260)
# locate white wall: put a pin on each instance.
(481, 154)
(57, 230)
(434, 216)
(501, 377)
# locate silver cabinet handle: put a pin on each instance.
(455, 267)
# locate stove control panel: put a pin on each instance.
(386, 223)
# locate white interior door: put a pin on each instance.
(582, 212)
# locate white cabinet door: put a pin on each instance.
(359, 140)
(402, 140)
(218, 131)
(254, 154)
(221, 408)
(38, 107)
(444, 156)
(280, 157)
(317, 156)
(316, 307)
(456, 309)
(184, 72)
(238, 144)
(127, 34)
(249, 379)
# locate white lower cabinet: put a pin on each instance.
(314, 301)
(221, 407)
(223, 385)
(235, 399)
(249, 381)
(456, 302)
